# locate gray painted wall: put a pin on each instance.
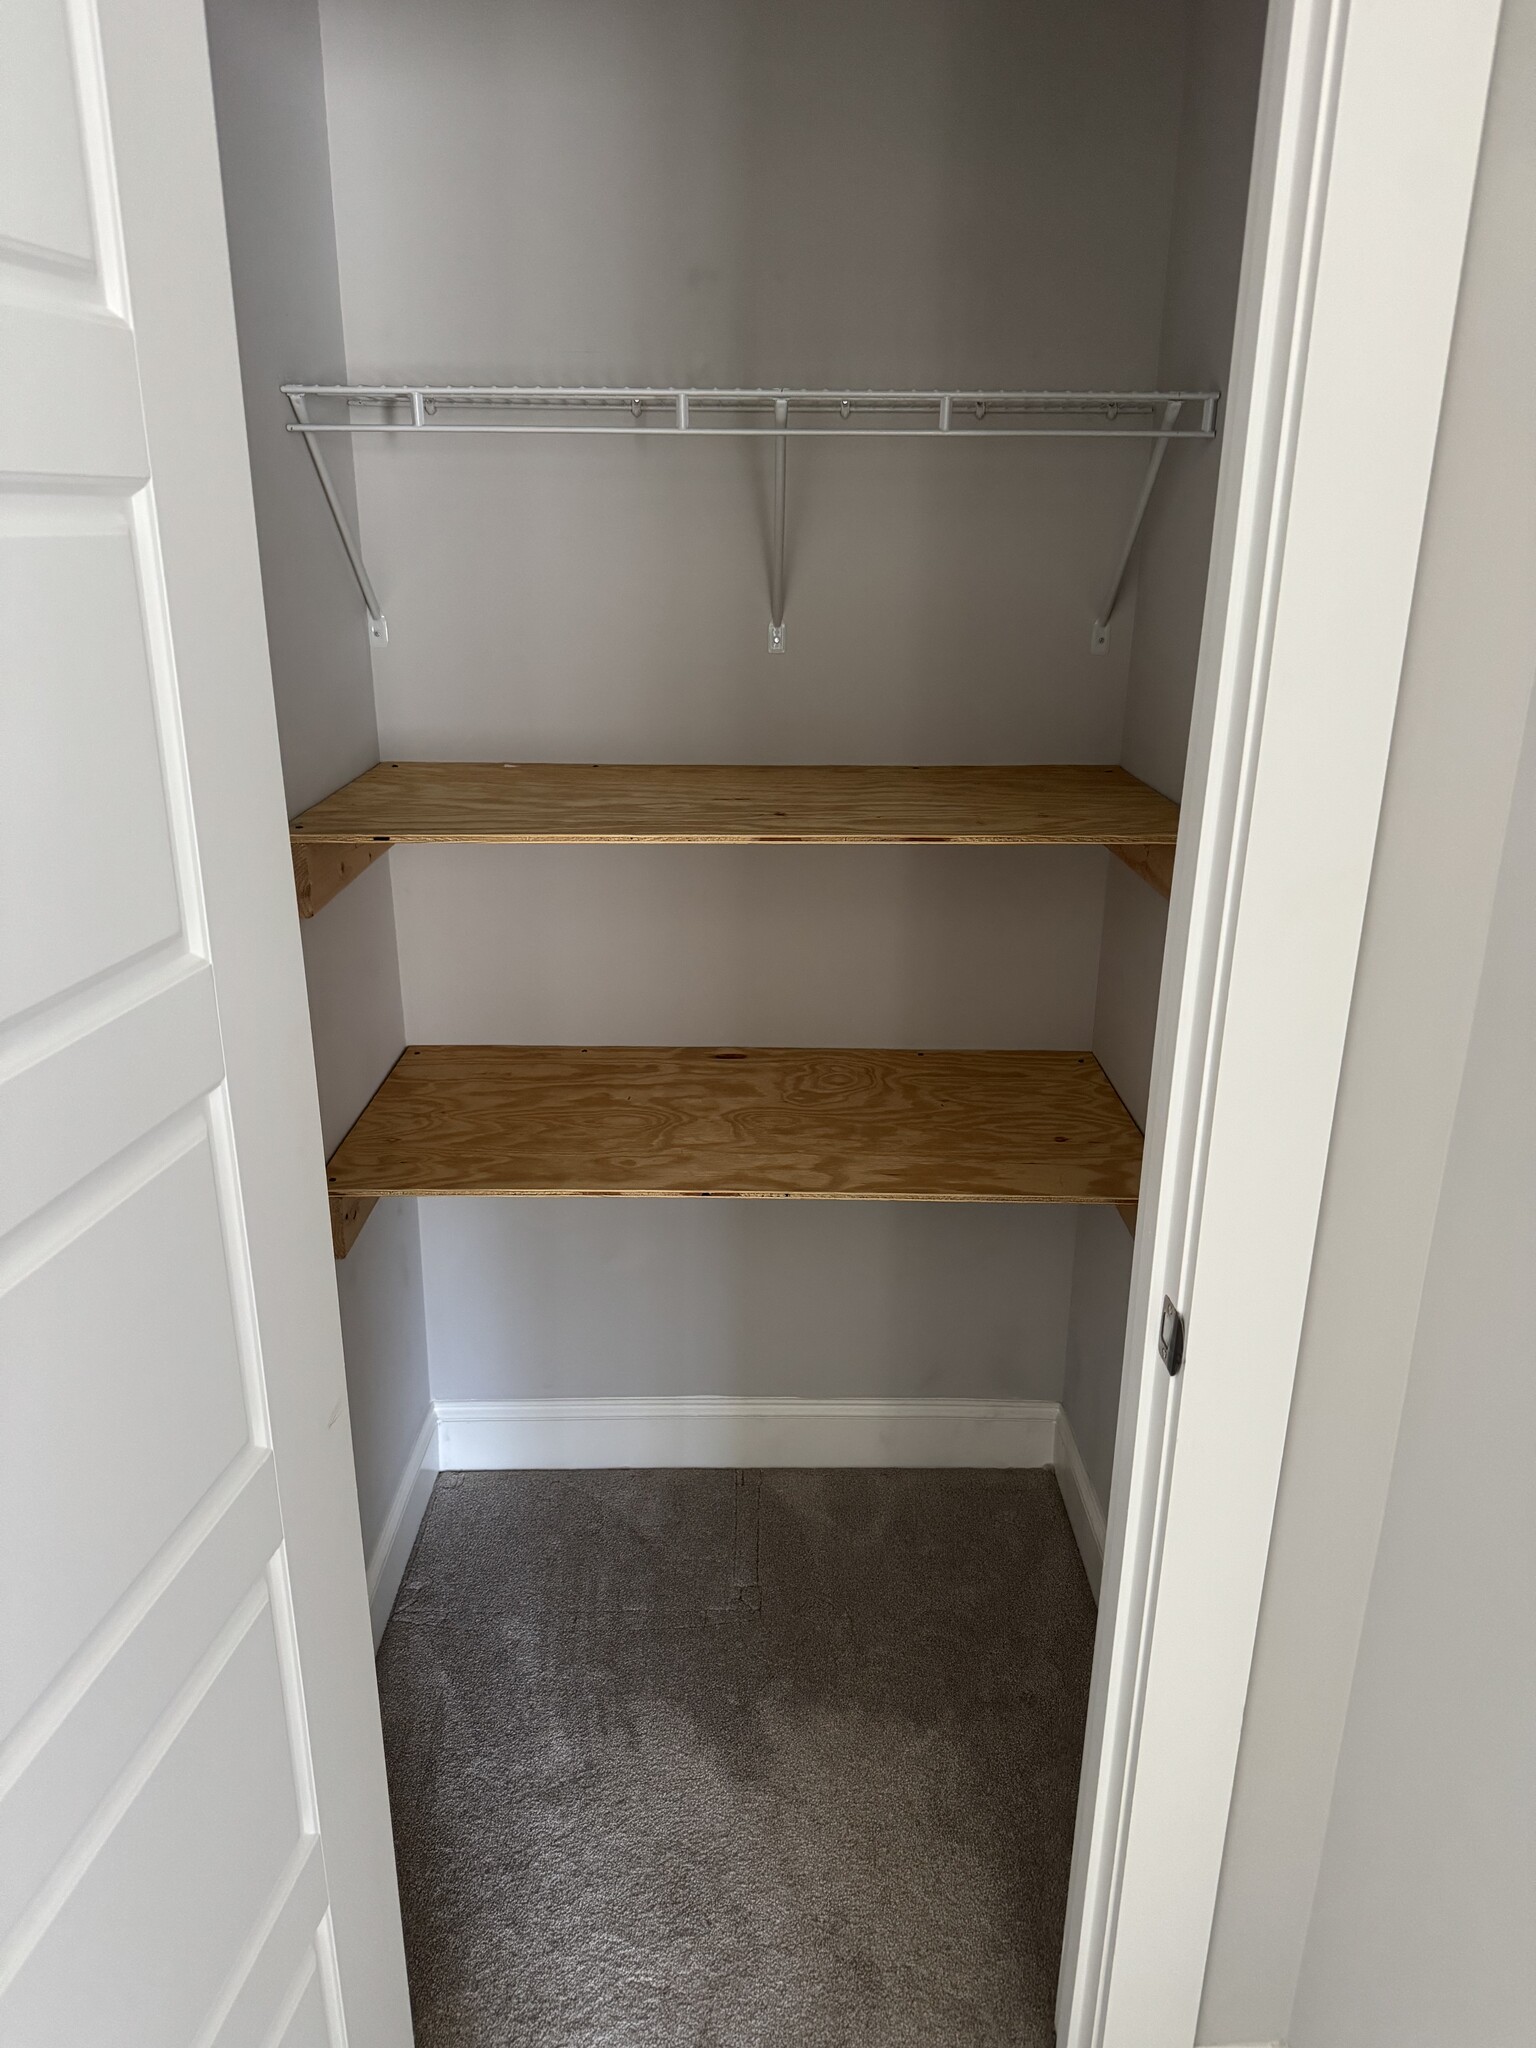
(871, 194)
(1466, 686)
(1421, 1928)
(1226, 48)
(270, 102)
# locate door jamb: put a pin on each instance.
(1352, 262)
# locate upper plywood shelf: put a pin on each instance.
(760, 1122)
(535, 802)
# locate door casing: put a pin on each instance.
(1370, 121)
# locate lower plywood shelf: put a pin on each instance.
(744, 1122)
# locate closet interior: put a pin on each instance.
(708, 778)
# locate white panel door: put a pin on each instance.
(194, 1835)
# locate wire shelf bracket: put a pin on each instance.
(1099, 640)
(1156, 416)
(378, 628)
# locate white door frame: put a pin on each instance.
(1370, 121)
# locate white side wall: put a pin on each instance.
(1226, 46)
(270, 102)
(787, 194)
(1421, 1927)
(1395, 1257)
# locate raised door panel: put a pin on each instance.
(61, 1773)
(83, 814)
(307, 2024)
(124, 1062)
(61, 359)
(179, 1864)
(45, 212)
(123, 1402)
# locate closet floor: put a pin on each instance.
(713, 1759)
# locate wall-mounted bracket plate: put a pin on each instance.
(775, 638)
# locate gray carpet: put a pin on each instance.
(730, 1759)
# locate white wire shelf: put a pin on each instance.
(1159, 417)
(650, 409)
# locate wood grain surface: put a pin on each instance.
(743, 1121)
(1154, 864)
(321, 871)
(348, 1215)
(563, 803)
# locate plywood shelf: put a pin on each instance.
(560, 803)
(753, 1122)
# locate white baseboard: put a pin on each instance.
(1084, 1511)
(391, 1553)
(724, 1430)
